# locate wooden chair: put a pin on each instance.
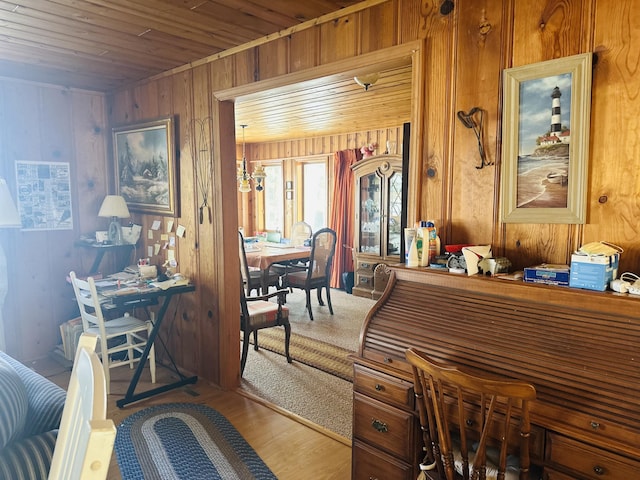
(252, 276)
(122, 336)
(300, 233)
(470, 424)
(318, 273)
(85, 440)
(257, 313)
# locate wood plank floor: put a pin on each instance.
(288, 445)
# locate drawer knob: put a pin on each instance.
(598, 470)
(469, 422)
(387, 360)
(379, 426)
(595, 425)
(379, 387)
(365, 265)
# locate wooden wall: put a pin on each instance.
(466, 53)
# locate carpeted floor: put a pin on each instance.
(324, 399)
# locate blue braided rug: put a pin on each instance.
(185, 441)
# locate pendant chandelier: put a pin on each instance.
(243, 175)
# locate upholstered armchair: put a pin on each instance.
(29, 418)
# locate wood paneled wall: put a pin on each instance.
(466, 53)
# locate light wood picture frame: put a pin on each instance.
(545, 148)
(145, 166)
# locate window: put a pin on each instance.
(273, 198)
(314, 191)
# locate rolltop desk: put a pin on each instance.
(581, 350)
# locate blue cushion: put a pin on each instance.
(13, 398)
(29, 458)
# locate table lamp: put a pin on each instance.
(115, 207)
(9, 218)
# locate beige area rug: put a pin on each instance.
(315, 353)
(317, 396)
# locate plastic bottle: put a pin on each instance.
(433, 241)
(409, 236)
(423, 246)
(412, 259)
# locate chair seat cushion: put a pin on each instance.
(14, 404)
(265, 314)
(513, 465)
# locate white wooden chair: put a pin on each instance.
(125, 334)
(86, 437)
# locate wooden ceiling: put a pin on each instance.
(326, 106)
(103, 45)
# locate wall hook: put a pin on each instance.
(469, 121)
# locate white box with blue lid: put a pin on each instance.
(593, 272)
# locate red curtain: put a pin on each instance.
(341, 213)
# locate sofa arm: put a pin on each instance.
(46, 399)
(29, 458)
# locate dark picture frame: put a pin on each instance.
(545, 149)
(145, 166)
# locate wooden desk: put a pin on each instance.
(578, 347)
(146, 295)
(266, 256)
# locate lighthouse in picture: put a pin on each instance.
(556, 120)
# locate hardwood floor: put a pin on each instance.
(288, 445)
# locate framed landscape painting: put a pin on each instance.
(145, 166)
(545, 146)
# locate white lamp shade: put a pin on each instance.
(114, 206)
(9, 216)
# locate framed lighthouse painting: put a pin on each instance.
(545, 146)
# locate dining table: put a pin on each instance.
(264, 254)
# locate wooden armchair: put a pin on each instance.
(257, 313)
(471, 424)
(318, 273)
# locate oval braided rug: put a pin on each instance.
(185, 441)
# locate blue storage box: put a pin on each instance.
(593, 272)
(547, 273)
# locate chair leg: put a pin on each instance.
(255, 340)
(245, 351)
(319, 293)
(152, 355)
(104, 356)
(287, 337)
(308, 292)
(329, 299)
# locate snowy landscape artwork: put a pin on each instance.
(145, 166)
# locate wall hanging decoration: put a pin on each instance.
(200, 142)
(545, 143)
(44, 195)
(145, 166)
(469, 121)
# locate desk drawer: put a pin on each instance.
(588, 461)
(383, 426)
(371, 464)
(384, 387)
